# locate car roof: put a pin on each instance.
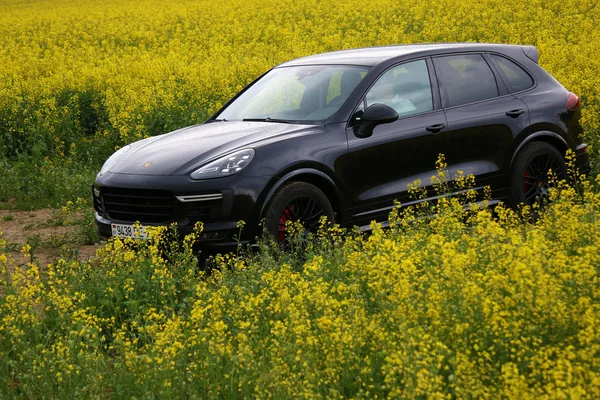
(371, 56)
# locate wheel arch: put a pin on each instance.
(315, 177)
(551, 138)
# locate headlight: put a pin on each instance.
(225, 166)
(113, 159)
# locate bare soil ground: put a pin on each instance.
(47, 232)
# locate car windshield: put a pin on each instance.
(296, 94)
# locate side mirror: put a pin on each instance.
(374, 115)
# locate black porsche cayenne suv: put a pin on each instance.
(342, 134)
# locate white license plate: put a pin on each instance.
(129, 231)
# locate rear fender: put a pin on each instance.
(545, 136)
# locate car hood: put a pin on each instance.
(184, 150)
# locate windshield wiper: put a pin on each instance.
(269, 119)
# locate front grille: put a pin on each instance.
(158, 206)
(145, 206)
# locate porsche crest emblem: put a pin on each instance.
(147, 164)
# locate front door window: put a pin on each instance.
(406, 88)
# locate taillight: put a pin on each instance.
(573, 102)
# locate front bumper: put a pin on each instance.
(163, 200)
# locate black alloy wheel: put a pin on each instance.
(297, 202)
(534, 170)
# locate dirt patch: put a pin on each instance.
(47, 231)
(18, 226)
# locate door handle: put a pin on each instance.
(435, 128)
(514, 113)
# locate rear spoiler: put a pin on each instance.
(531, 52)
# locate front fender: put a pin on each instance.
(319, 176)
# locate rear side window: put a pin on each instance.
(465, 79)
(514, 76)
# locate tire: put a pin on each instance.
(529, 180)
(297, 201)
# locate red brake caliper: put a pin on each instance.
(525, 185)
(285, 216)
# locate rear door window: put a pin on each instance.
(514, 76)
(465, 79)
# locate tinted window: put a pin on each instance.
(515, 77)
(406, 88)
(465, 79)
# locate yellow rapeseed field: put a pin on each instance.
(76, 71)
(466, 304)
